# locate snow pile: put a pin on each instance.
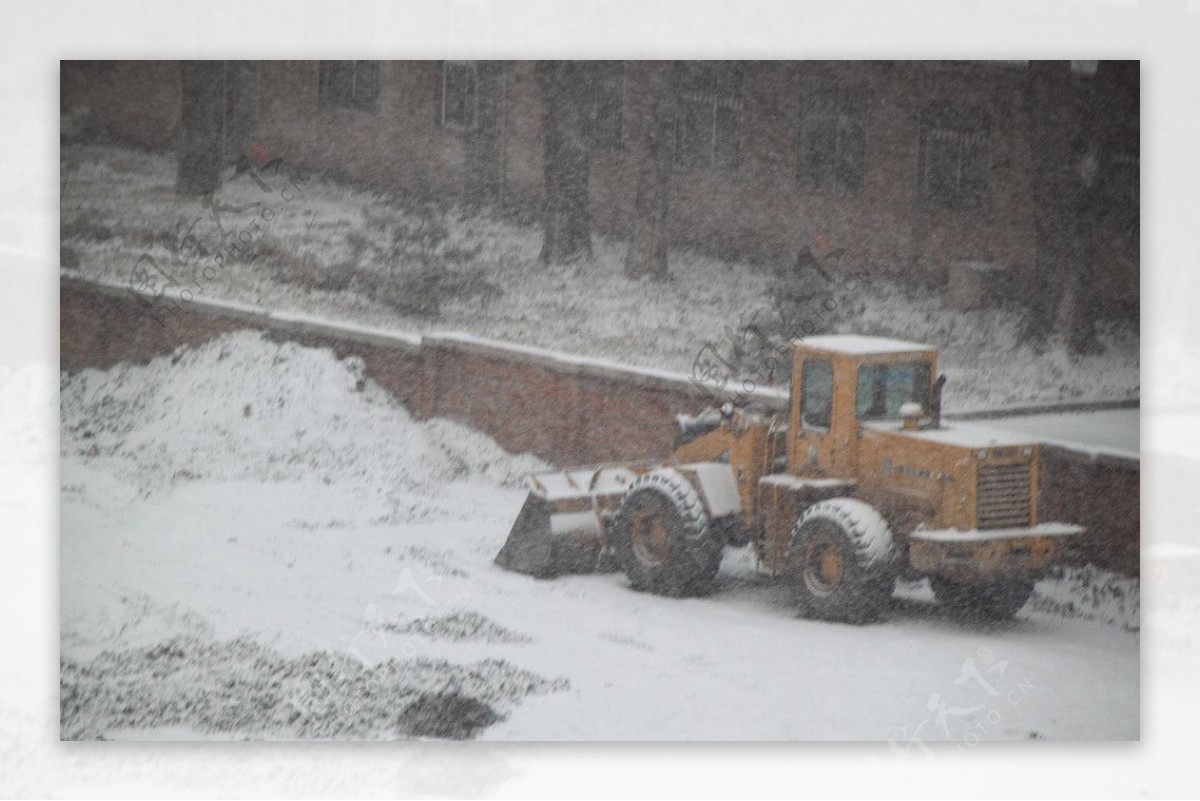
(1089, 593)
(239, 518)
(243, 407)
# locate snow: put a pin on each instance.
(974, 535)
(563, 359)
(567, 522)
(718, 487)
(1092, 594)
(965, 435)
(570, 362)
(249, 574)
(861, 346)
(1114, 431)
(788, 481)
(558, 485)
(612, 479)
(189, 425)
(874, 530)
(118, 203)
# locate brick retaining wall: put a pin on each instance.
(567, 410)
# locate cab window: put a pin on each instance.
(816, 393)
(884, 388)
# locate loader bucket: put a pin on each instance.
(559, 529)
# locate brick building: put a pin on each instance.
(911, 166)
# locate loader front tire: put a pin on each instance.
(841, 562)
(662, 536)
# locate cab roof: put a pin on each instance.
(861, 345)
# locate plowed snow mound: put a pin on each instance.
(243, 407)
(1089, 593)
(346, 490)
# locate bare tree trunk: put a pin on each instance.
(1051, 118)
(1078, 320)
(202, 123)
(1066, 152)
(566, 163)
(649, 243)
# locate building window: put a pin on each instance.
(708, 131)
(955, 155)
(833, 139)
(350, 84)
(459, 95)
(606, 113)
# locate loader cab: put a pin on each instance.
(839, 382)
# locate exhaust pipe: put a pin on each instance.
(936, 405)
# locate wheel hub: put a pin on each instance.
(823, 565)
(651, 538)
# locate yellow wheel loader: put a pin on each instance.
(859, 483)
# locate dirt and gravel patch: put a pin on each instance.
(240, 687)
(461, 626)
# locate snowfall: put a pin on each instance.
(258, 542)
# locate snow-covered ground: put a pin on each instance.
(1111, 431)
(339, 252)
(257, 542)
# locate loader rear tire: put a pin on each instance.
(663, 538)
(999, 600)
(842, 562)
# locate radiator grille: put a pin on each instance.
(1003, 496)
